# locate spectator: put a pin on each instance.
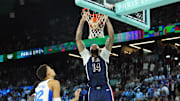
(145, 67)
(165, 90)
(131, 95)
(139, 95)
(125, 92)
(152, 67)
(151, 78)
(178, 75)
(10, 98)
(161, 69)
(177, 92)
(155, 86)
(156, 78)
(162, 77)
(172, 89)
(84, 92)
(150, 91)
(156, 93)
(146, 80)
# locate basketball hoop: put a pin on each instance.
(96, 23)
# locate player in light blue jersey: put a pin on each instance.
(49, 88)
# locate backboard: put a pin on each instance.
(139, 19)
(130, 6)
(132, 12)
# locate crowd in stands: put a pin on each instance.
(136, 77)
(148, 77)
(14, 94)
(22, 93)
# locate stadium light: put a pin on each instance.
(146, 50)
(118, 46)
(77, 56)
(21, 2)
(135, 46)
(168, 56)
(12, 15)
(173, 38)
(113, 54)
(73, 55)
(126, 52)
(141, 43)
(177, 44)
(176, 58)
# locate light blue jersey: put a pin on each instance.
(43, 93)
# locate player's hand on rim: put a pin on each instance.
(106, 17)
(83, 18)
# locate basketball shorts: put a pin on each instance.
(100, 94)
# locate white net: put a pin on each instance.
(96, 23)
(139, 16)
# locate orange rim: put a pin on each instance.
(95, 15)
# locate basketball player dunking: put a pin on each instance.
(49, 88)
(96, 64)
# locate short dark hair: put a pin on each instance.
(41, 71)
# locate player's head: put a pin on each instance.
(45, 71)
(94, 49)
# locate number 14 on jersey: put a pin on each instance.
(96, 67)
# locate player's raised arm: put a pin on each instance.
(110, 40)
(79, 42)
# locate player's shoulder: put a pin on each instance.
(54, 82)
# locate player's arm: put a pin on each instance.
(77, 93)
(110, 40)
(79, 42)
(56, 90)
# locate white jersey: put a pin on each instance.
(104, 54)
(43, 93)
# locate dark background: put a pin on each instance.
(40, 23)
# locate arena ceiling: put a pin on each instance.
(27, 24)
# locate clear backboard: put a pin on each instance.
(139, 19)
(132, 12)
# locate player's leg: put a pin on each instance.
(92, 95)
(108, 95)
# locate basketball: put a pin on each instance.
(94, 19)
(93, 22)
